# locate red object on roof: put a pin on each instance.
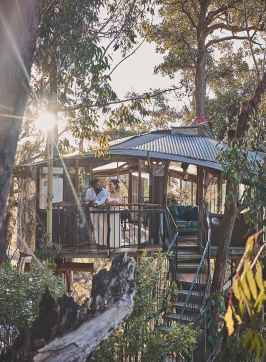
(201, 119)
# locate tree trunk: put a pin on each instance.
(200, 84)
(19, 23)
(200, 71)
(229, 218)
(248, 108)
(66, 331)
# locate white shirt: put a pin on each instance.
(98, 199)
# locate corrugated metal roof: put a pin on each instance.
(181, 147)
(194, 149)
(189, 148)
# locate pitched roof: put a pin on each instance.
(189, 148)
(183, 144)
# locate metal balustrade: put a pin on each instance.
(118, 226)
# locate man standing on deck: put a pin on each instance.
(96, 197)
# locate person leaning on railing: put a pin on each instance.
(96, 196)
(113, 200)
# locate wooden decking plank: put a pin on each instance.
(87, 252)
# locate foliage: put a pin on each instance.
(232, 82)
(241, 167)
(20, 293)
(82, 283)
(48, 252)
(140, 334)
(196, 40)
(244, 316)
(74, 61)
(179, 196)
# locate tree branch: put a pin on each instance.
(126, 57)
(141, 97)
(232, 37)
(250, 107)
(187, 13)
(221, 10)
(233, 28)
(251, 44)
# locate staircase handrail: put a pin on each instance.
(205, 255)
(174, 239)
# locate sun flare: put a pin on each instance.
(46, 121)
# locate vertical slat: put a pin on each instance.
(200, 204)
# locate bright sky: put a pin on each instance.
(137, 72)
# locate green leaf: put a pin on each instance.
(247, 338)
(254, 343)
(259, 301)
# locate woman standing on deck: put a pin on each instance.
(114, 198)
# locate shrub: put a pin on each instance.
(20, 293)
(140, 336)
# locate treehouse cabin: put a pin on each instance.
(172, 189)
(173, 194)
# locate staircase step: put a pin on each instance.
(188, 238)
(190, 248)
(186, 286)
(194, 296)
(188, 277)
(189, 268)
(187, 243)
(191, 306)
(186, 258)
(186, 318)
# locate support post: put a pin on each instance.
(200, 174)
(140, 199)
(50, 152)
(77, 214)
(220, 195)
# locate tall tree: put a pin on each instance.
(232, 207)
(19, 27)
(192, 35)
(74, 57)
(192, 32)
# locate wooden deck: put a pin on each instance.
(96, 252)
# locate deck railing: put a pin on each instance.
(119, 226)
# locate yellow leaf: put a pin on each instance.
(241, 308)
(250, 244)
(244, 287)
(259, 301)
(236, 290)
(229, 320)
(258, 276)
(239, 320)
(251, 282)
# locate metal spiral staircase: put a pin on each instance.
(191, 271)
(190, 268)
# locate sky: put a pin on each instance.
(137, 72)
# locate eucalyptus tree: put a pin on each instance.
(74, 56)
(232, 81)
(250, 134)
(69, 61)
(191, 34)
(19, 27)
(208, 43)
